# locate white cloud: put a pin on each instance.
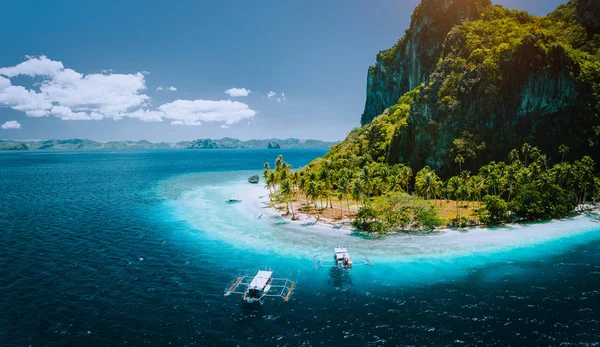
(70, 95)
(237, 92)
(171, 88)
(109, 95)
(193, 112)
(11, 124)
(34, 66)
(146, 115)
(21, 99)
(281, 98)
(180, 122)
(4, 82)
(225, 126)
(66, 113)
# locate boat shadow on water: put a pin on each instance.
(339, 278)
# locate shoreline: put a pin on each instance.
(253, 224)
(306, 219)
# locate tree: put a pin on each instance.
(366, 181)
(427, 183)
(344, 188)
(478, 186)
(459, 159)
(562, 149)
(270, 180)
(287, 192)
(452, 187)
(596, 189)
(266, 171)
(357, 191)
(404, 176)
(367, 220)
(312, 193)
(496, 209)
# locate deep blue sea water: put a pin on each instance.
(137, 247)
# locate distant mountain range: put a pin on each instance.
(227, 143)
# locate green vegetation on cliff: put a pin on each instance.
(502, 79)
(483, 104)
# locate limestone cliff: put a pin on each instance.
(406, 65)
(484, 86)
(504, 80)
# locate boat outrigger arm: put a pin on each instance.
(342, 259)
(263, 284)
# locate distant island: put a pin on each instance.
(228, 142)
(224, 143)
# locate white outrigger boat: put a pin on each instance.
(263, 284)
(341, 259)
(234, 199)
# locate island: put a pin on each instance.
(478, 115)
(224, 143)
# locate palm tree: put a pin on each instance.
(344, 188)
(525, 149)
(563, 149)
(513, 156)
(312, 192)
(427, 182)
(459, 159)
(270, 181)
(266, 170)
(465, 188)
(452, 187)
(302, 183)
(366, 180)
(340, 197)
(287, 192)
(478, 186)
(357, 191)
(279, 163)
(492, 174)
(404, 176)
(511, 179)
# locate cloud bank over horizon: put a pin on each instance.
(69, 95)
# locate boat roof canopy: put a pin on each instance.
(340, 250)
(260, 280)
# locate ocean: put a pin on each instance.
(137, 248)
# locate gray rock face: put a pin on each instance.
(535, 99)
(409, 63)
(588, 13)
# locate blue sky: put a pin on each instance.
(105, 59)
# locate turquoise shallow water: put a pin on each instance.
(112, 248)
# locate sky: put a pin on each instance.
(183, 70)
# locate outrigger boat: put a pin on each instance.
(341, 259)
(263, 284)
(233, 200)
